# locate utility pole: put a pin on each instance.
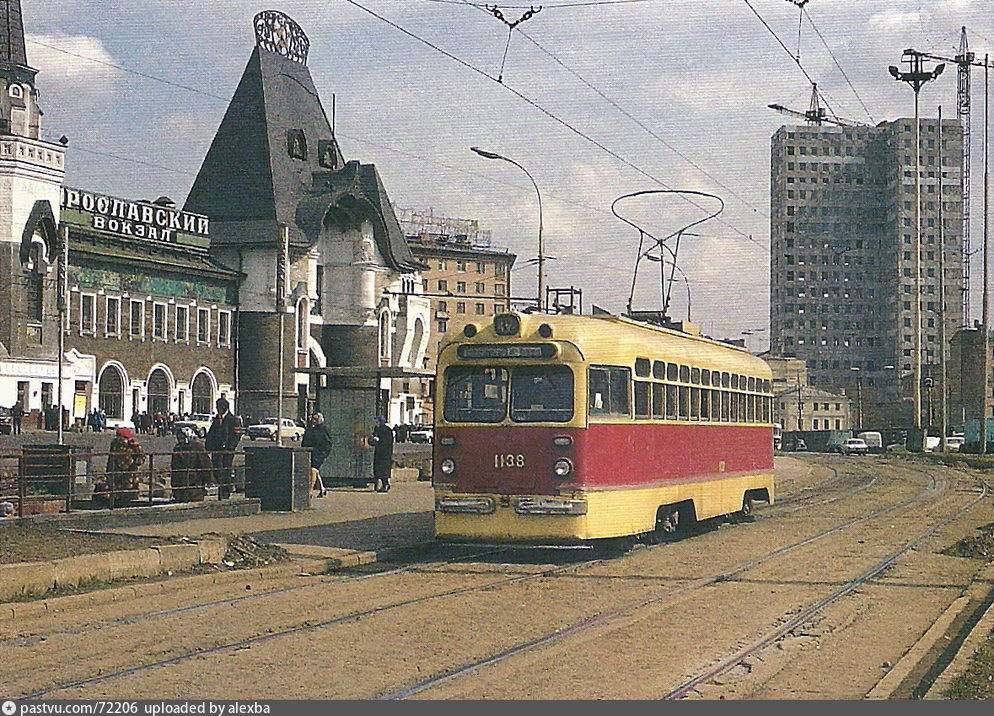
(916, 78)
(800, 405)
(944, 392)
(282, 280)
(985, 342)
(62, 306)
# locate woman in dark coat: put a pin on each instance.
(318, 439)
(382, 441)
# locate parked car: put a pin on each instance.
(266, 429)
(954, 443)
(874, 441)
(6, 422)
(198, 422)
(421, 434)
(854, 446)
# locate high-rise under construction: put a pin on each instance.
(842, 285)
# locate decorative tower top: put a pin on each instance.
(279, 33)
(12, 50)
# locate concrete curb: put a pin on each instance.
(144, 515)
(977, 636)
(333, 557)
(886, 687)
(30, 577)
(14, 611)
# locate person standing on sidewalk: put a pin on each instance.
(16, 416)
(318, 439)
(222, 439)
(382, 442)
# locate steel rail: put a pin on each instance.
(127, 621)
(670, 595)
(812, 609)
(307, 627)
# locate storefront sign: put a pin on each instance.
(130, 218)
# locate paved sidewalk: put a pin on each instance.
(345, 518)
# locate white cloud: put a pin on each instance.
(73, 67)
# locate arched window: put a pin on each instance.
(34, 293)
(419, 333)
(110, 389)
(303, 326)
(159, 392)
(385, 338)
(203, 394)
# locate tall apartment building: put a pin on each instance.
(842, 255)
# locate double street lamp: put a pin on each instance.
(916, 77)
(541, 242)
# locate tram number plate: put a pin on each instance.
(509, 460)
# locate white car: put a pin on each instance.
(954, 443)
(854, 446)
(198, 422)
(266, 429)
(421, 434)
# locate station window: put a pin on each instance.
(137, 323)
(182, 323)
(87, 313)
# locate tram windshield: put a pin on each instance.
(476, 394)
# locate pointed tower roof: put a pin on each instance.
(12, 50)
(275, 155)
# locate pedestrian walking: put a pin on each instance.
(318, 439)
(190, 468)
(17, 415)
(222, 439)
(382, 442)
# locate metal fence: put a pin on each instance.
(50, 479)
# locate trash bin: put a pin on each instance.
(279, 476)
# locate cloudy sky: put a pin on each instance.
(599, 98)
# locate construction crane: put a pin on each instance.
(815, 114)
(964, 61)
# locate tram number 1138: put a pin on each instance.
(509, 460)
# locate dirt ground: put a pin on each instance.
(488, 623)
(36, 543)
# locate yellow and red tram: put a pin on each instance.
(564, 429)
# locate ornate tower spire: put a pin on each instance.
(12, 50)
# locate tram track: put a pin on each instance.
(814, 608)
(491, 584)
(671, 595)
(407, 568)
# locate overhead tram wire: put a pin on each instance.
(621, 109)
(532, 103)
(837, 64)
(553, 6)
(796, 60)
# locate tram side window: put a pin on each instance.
(658, 400)
(684, 402)
(608, 391)
(751, 408)
(672, 370)
(705, 404)
(671, 401)
(642, 367)
(726, 414)
(641, 399)
(716, 405)
(475, 394)
(658, 369)
(733, 401)
(695, 403)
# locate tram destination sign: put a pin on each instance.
(520, 351)
(140, 219)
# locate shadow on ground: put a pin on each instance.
(405, 529)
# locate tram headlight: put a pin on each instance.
(447, 466)
(562, 467)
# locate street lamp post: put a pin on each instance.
(541, 241)
(916, 78)
(859, 398)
